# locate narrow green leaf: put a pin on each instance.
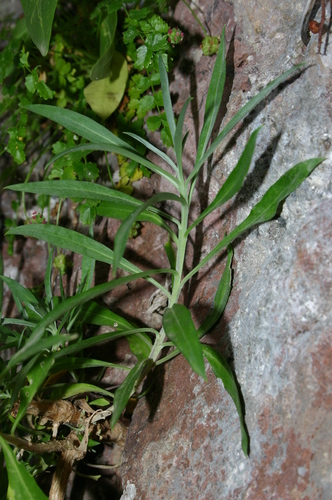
(30, 349)
(36, 377)
(96, 314)
(76, 242)
(266, 208)
(234, 181)
(102, 67)
(170, 254)
(78, 124)
(155, 150)
(79, 243)
(73, 241)
(120, 211)
(214, 97)
(25, 300)
(22, 486)
(180, 329)
(166, 97)
(22, 293)
(88, 266)
(87, 343)
(48, 277)
(132, 154)
(22, 322)
(35, 343)
(19, 380)
(113, 203)
(221, 297)
(222, 370)
(3, 476)
(73, 363)
(69, 390)
(122, 203)
(242, 113)
(128, 387)
(122, 234)
(178, 137)
(39, 17)
(99, 402)
(140, 345)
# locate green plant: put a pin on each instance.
(52, 338)
(210, 44)
(44, 59)
(33, 398)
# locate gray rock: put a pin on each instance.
(278, 322)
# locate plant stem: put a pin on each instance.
(181, 252)
(193, 13)
(177, 284)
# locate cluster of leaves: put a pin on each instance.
(156, 40)
(28, 78)
(66, 60)
(47, 343)
(153, 34)
(41, 358)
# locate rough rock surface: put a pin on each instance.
(184, 441)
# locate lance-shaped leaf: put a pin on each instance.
(69, 390)
(222, 370)
(166, 97)
(242, 113)
(170, 253)
(78, 124)
(27, 304)
(39, 17)
(155, 150)
(88, 270)
(140, 345)
(128, 387)
(234, 180)
(19, 380)
(122, 234)
(87, 343)
(22, 485)
(78, 363)
(113, 203)
(32, 354)
(266, 208)
(179, 141)
(127, 153)
(73, 241)
(213, 99)
(95, 314)
(48, 278)
(220, 298)
(36, 377)
(180, 329)
(35, 344)
(22, 296)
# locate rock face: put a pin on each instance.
(184, 441)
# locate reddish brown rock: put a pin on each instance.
(184, 441)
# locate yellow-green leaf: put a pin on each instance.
(105, 95)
